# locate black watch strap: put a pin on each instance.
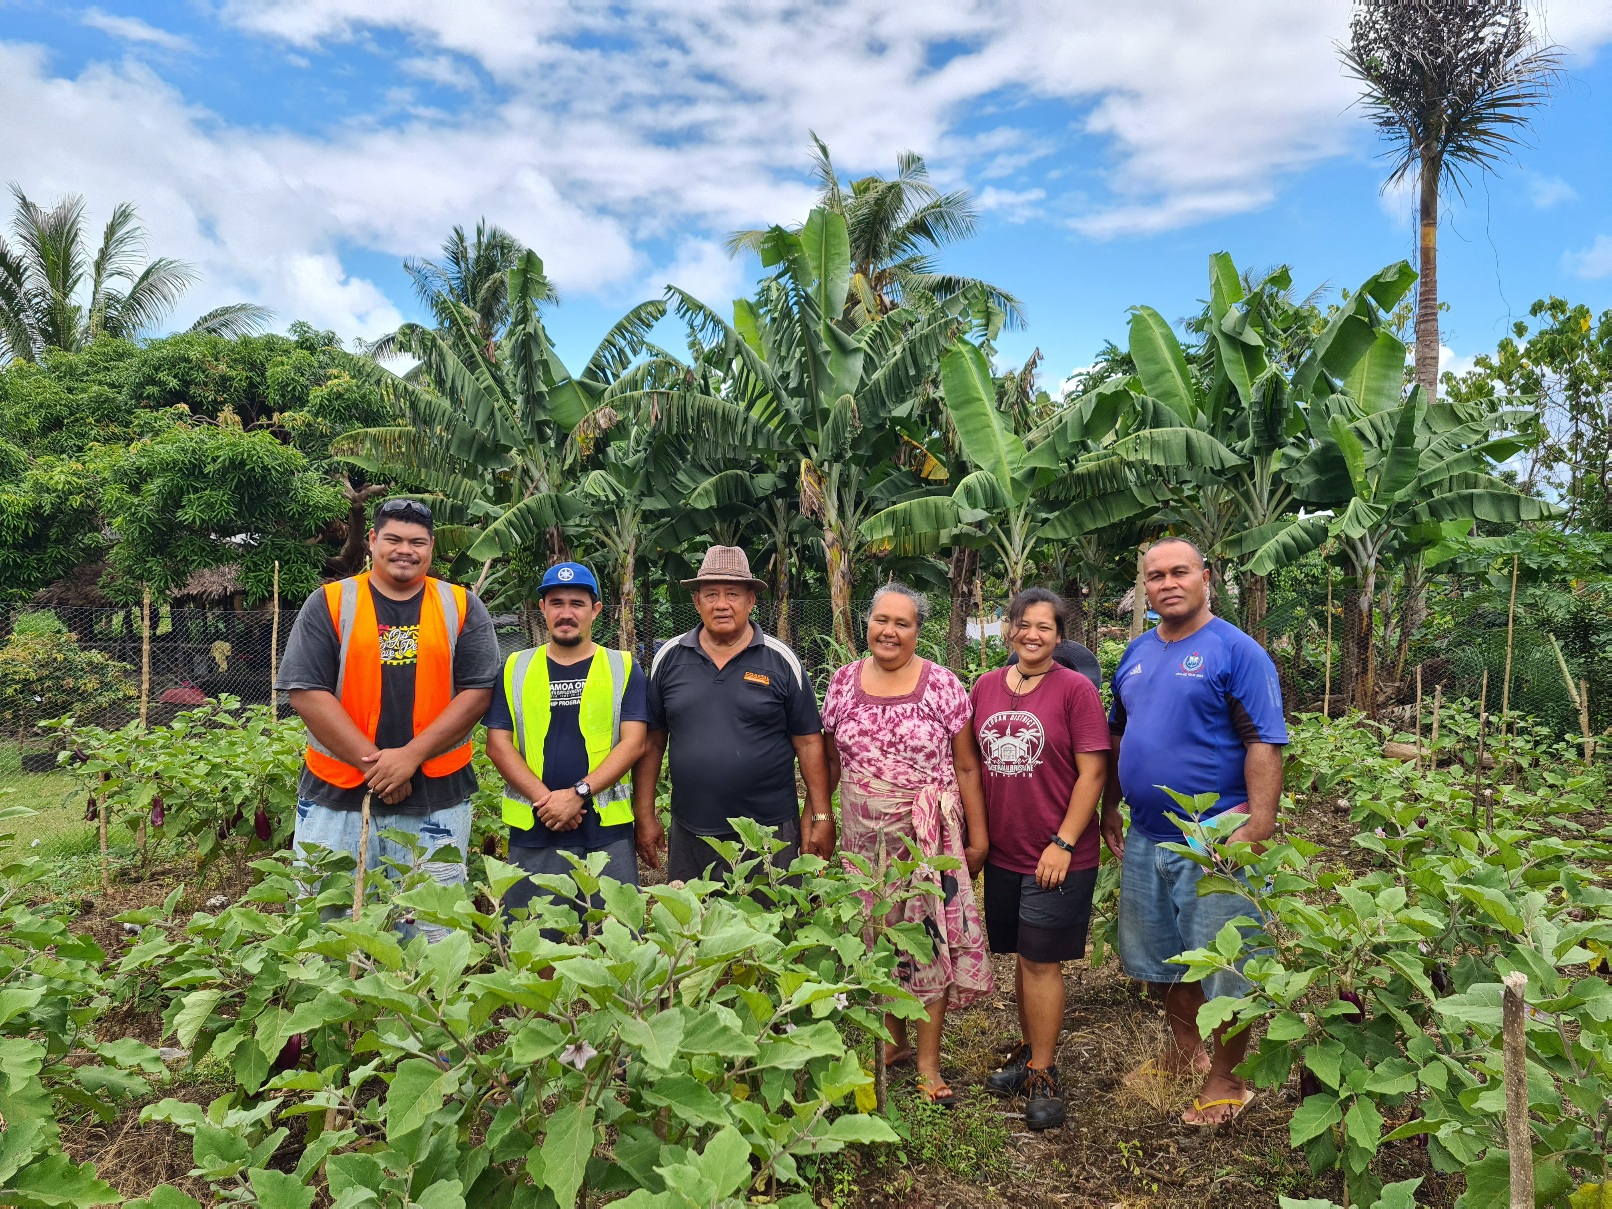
(1063, 843)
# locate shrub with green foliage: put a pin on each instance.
(44, 674)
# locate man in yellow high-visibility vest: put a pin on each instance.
(567, 722)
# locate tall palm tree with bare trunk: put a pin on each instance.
(1449, 84)
(47, 267)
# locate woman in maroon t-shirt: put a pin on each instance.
(1044, 740)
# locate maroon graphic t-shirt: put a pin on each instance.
(1027, 748)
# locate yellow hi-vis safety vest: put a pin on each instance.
(526, 687)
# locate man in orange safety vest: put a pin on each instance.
(389, 671)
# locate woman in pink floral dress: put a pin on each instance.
(908, 768)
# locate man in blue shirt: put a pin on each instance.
(1197, 708)
(566, 724)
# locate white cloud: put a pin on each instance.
(132, 29)
(1591, 262)
(595, 132)
(1449, 362)
(1548, 191)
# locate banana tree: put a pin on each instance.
(484, 434)
(1396, 477)
(1084, 469)
(794, 377)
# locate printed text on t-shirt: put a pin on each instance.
(400, 644)
(1012, 741)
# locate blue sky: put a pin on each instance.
(296, 150)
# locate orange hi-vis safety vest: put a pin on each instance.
(358, 679)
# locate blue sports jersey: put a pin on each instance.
(1186, 709)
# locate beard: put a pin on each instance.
(574, 638)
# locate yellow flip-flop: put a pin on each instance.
(1241, 1102)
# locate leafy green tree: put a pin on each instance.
(1566, 364)
(55, 294)
(207, 495)
(1449, 83)
(896, 226)
(67, 401)
(50, 519)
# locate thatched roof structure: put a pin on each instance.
(80, 588)
(210, 585)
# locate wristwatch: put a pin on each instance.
(1063, 843)
(583, 790)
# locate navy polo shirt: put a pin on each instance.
(1188, 710)
(730, 730)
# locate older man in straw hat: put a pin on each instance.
(739, 711)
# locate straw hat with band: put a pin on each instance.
(725, 565)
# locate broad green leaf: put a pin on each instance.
(970, 395)
(1161, 364)
(827, 245)
(567, 1145)
(689, 1099)
(1377, 380)
(1354, 455)
(725, 1161)
(419, 1088)
(656, 1039)
(1314, 1117)
(1399, 469)
(855, 1127)
(57, 1180)
(277, 1190)
(1363, 1125)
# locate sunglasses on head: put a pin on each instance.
(411, 511)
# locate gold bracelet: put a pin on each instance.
(822, 818)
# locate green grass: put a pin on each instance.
(57, 828)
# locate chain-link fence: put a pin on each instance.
(91, 662)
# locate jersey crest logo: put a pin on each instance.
(1012, 741)
(758, 678)
(1192, 662)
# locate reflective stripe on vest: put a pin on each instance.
(526, 688)
(358, 671)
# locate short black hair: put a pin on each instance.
(1181, 541)
(1034, 596)
(401, 508)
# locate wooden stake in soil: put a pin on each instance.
(1139, 595)
(1418, 717)
(1326, 698)
(359, 873)
(1519, 1138)
(1432, 739)
(1584, 721)
(1511, 629)
(881, 1072)
(274, 647)
(145, 655)
(106, 868)
(1477, 770)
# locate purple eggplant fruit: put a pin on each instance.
(290, 1053)
(1353, 999)
(158, 812)
(260, 824)
(90, 813)
(1309, 1085)
(1440, 979)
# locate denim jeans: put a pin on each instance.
(1162, 916)
(338, 830)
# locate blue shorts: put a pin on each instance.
(448, 828)
(1161, 916)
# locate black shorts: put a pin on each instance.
(1037, 924)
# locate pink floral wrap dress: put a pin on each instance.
(897, 781)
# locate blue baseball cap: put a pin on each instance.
(569, 575)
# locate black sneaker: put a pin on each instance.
(1008, 1078)
(1043, 1095)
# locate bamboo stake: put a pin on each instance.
(1139, 595)
(1511, 629)
(1326, 700)
(979, 599)
(274, 648)
(1477, 771)
(1519, 1138)
(1584, 721)
(145, 655)
(359, 873)
(1432, 739)
(1418, 717)
(106, 869)
(881, 1072)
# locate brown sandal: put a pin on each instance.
(939, 1094)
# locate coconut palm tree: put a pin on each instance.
(896, 225)
(55, 294)
(473, 273)
(1449, 83)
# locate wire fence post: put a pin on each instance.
(1418, 717)
(1432, 739)
(1584, 722)
(274, 648)
(1326, 696)
(1514, 1053)
(1511, 630)
(1477, 769)
(145, 655)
